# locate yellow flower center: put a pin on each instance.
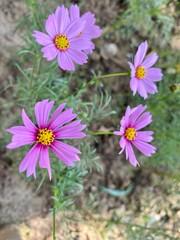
(62, 42)
(140, 72)
(45, 136)
(130, 133)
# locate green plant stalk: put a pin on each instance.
(100, 133)
(112, 75)
(54, 222)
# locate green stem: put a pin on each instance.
(100, 133)
(54, 223)
(113, 75)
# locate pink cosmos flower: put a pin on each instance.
(133, 121)
(47, 134)
(90, 30)
(62, 40)
(143, 75)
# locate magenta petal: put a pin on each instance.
(42, 38)
(63, 118)
(144, 136)
(44, 160)
(77, 56)
(75, 28)
(51, 27)
(56, 113)
(141, 89)
(65, 62)
(153, 74)
(89, 18)
(66, 155)
(62, 19)
(117, 133)
(150, 60)
(80, 43)
(21, 130)
(135, 115)
(49, 52)
(30, 160)
(150, 87)
(144, 120)
(131, 155)
(141, 52)
(74, 12)
(27, 122)
(134, 85)
(145, 148)
(122, 144)
(92, 31)
(133, 71)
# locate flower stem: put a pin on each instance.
(54, 223)
(100, 133)
(113, 75)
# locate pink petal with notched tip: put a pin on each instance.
(50, 52)
(141, 52)
(144, 120)
(65, 62)
(145, 136)
(62, 19)
(150, 60)
(74, 12)
(145, 148)
(42, 38)
(153, 75)
(44, 160)
(77, 56)
(131, 155)
(27, 122)
(30, 160)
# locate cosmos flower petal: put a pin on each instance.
(131, 155)
(135, 115)
(89, 18)
(27, 122)
(63, 118)
(150, 87)
(18, 130)
(39, 112)
(142, 90)
(154, 75)
(49, 52)
(141, 52)
(57, 113)
(92, 31)
(30, 157)
(65, 62)
(90, 48)
(134, 85)
(77, 56)
(75, 28)
(74, 12)
(146, 148)
(117, 133)
(17, 144)
(133, 70)
(145, 136)
(32, 161)
(150, 60)
(44, 160)
(66, 155)
(144, 120)
(62, 19)
(122, 143)
(80, 43)
(42, 38)
(50, 26)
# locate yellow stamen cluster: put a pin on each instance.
(140, 72)
(62, 42)
(130, 133)
(45, 136)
